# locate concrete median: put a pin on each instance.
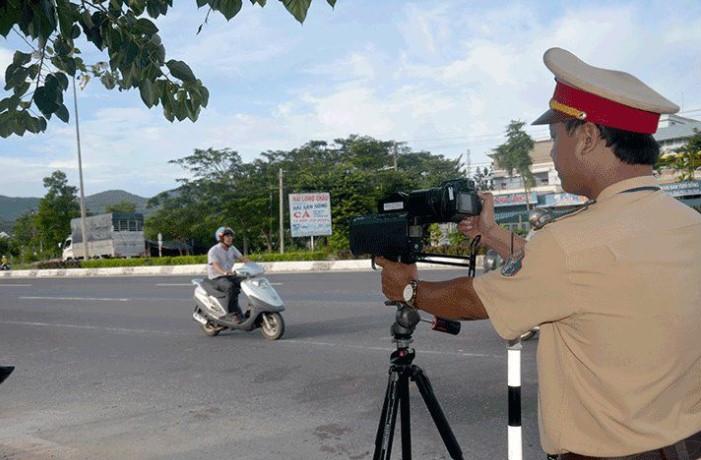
(314, 266)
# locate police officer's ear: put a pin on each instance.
(589, 138)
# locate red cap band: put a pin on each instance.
(605, 111)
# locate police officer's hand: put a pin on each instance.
(395, 277)
(484, 224)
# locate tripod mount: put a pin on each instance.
(396, 400)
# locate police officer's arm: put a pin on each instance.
(453, 299)
(493, 236)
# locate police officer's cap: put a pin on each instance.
(606, 97)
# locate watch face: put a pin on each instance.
(408, 293)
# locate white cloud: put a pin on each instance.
(451, 80)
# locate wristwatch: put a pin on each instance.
(410, 292)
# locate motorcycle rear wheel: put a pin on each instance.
(274, 327)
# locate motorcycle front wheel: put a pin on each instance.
(272, 326)
(210, 329)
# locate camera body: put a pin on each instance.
(397, 231)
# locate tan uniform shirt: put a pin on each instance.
(616, 289)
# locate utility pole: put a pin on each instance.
(84, 234)
(395, 156)
(282, 232)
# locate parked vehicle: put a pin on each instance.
(263, 311)
(108, 235)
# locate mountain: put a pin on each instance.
(11, 207)
(97, 203)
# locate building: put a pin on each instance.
(510, 205)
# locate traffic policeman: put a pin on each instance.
(615, 287)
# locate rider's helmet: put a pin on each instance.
(221, 231)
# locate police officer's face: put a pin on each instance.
(563, 155)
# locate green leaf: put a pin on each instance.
(22, 88)
(298, 8)
(62, 80)
(137, 6)
(62, 113)
(201, 3)
(180, 70)
(65, 18)
(229, 8)
(146, 27)
(21, 58)
(75, 31)
(260, 2)
(331, 2)
(45, 100)
(148, 94)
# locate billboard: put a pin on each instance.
(310, 214)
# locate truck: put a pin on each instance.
(111, 234)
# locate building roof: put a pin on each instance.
(678, 131)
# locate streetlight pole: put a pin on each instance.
(80, 173)
(282, 233)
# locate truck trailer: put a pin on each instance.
(108, 235)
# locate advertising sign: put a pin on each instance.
(687, 188)
(514, 199)
(310, 214)
(555, 200)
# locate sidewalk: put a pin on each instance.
(201, 269)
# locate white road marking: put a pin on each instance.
(91, 299)
(15, 285)
(174, 284)
(364, 347)
(122, 330)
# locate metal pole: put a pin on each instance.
(395, 156)
(515, 442)
(84, 236)
(282, 234)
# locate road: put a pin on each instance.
(114, 368)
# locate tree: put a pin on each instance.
(56, 209)
(124, 206)
(685, 160)
(121, 28)
(514, 155)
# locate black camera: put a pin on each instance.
(397, 231)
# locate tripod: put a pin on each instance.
(401, 370)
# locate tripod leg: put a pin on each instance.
(388, 419)
(405, 415)
(436, 413)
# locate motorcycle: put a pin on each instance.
(264, 305)
(4, 267)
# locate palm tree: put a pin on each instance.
(514, 155)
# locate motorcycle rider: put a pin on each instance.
(220, 262)
(3, 263)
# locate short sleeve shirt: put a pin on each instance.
(225, 258)
(616, 289)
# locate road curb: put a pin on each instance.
(314, 266)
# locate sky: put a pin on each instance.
(446, 77)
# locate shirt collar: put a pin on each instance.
(618, 187)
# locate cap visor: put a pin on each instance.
(551, 116)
